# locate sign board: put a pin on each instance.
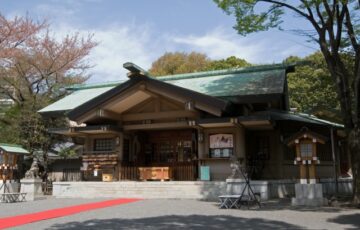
(221, 141)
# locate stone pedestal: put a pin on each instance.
(308, 195)
(32, 188)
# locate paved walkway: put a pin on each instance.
(185, 214)
(18, 220)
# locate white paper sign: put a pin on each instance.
(221, 141)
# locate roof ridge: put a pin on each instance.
(10, 145)
(94, 85)
(249, 69)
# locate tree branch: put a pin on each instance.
(350, 29)
(283, 4)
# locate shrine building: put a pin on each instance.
(170, 127)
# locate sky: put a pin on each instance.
(140, 31)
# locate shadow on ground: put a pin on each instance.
(179, 222)
(351, 219)
(284, 204)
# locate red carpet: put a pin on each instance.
(13, 221)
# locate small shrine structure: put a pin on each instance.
(9, 158)
(307, 192)
(305, 143)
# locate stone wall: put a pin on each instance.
(206, 190)
(146, 190)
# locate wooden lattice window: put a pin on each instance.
(105, 144)
(306, 149)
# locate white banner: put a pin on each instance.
(221, 141)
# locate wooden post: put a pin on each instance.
(312, 168)
(303, 168)
(303, 177)
(334, 160)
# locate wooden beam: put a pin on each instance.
(108, 114)
(159, 115)
(183, 99)
(171, 125)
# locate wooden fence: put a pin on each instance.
(181, 171)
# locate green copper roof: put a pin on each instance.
(255, 80)
(13, 148)
(233, 83)
(75, 99)
(300, 117)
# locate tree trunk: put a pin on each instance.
(341, 77)
(354, 148)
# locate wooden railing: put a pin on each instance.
(71, 175)
(181, 171)
(184, 171)
(106, 160)
(128, 172)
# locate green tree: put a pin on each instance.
(230, 62)
(335, 29)
(179, 62)
(311, 89)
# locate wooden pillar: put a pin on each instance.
(303, 177)
(303, 168)
(6, 157)
(240, 142)
(312, 168)
(312, 173)
(15, 160)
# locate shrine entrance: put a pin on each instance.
(171, 151)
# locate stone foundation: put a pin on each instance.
(308, 195)
(208, 190)
(146, 190)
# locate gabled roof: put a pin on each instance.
(225, 84)
(162, 87)
(11, 148)
(305, 133)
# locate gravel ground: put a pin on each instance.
(186, 214)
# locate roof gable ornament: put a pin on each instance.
(135, 70)
(305, 133)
